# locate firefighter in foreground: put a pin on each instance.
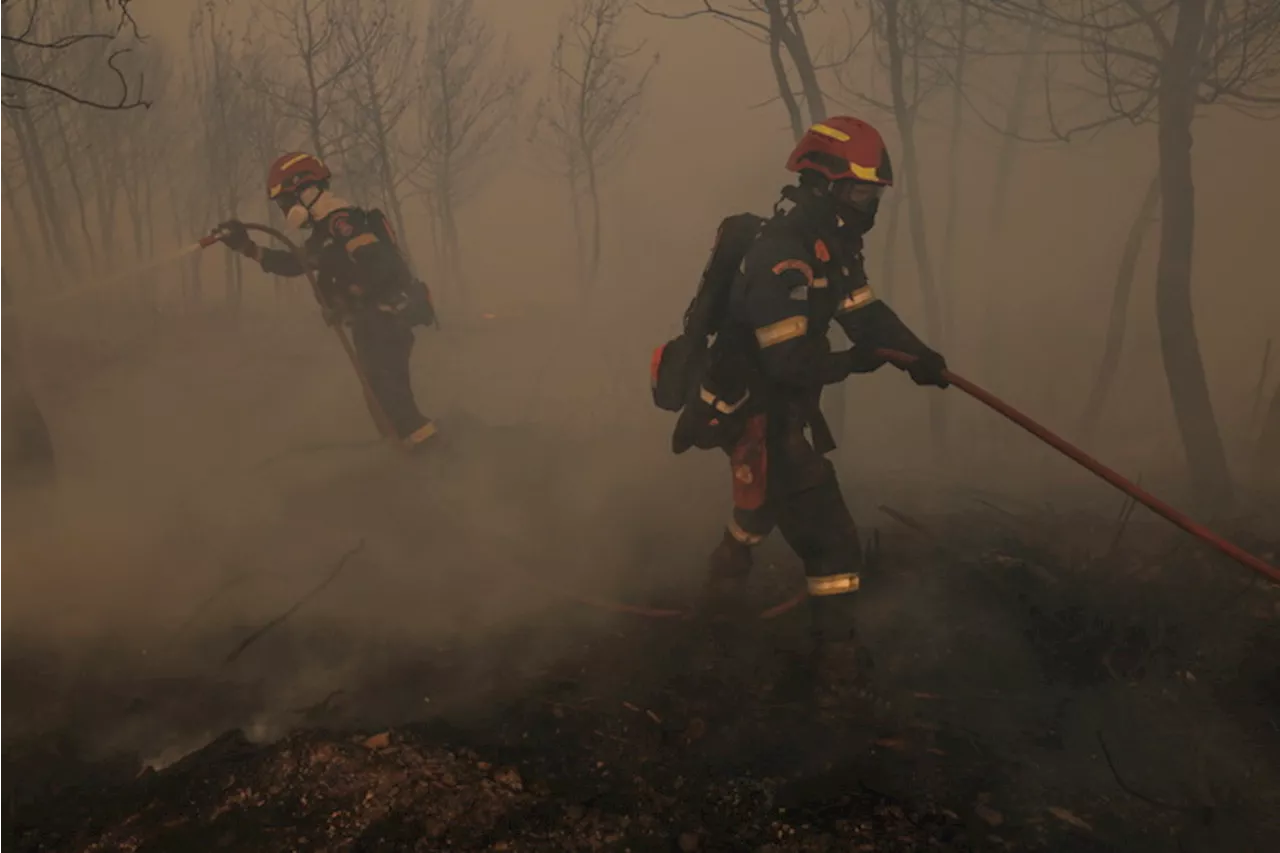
(759, 384)
(365, 281)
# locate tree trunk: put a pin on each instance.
(45, 181)
(593, 193)
(1184, 369)
(1119, 309)
(41, 221)
(449, 238)
(453, 248)
(1013, 125)
(784, 83)
(1269, 445)
(915, 208)
(73, 177)
(792, 35)
(133, 204)
(104, 206)
(990, 347)
(313, 88)
(888, 283)
(386, 166)
(953, 173)
(18, 222)
(31, 149)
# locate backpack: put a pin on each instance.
(701, 372)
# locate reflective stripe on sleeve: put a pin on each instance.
(783, 330)
(860, 298)
(363, 240)
(834, 584)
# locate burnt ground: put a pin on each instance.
(1045, 679)
(1102, 704)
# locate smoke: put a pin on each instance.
(215, 464)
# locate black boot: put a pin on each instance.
(840, 663)
(727, 569)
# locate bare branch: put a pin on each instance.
(21, 46)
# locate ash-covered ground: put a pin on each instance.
(240, 625)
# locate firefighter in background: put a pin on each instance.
(365, 281)
(803, 271)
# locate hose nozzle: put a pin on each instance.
(214, 236)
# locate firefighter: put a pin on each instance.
(803, 271)
(364, 281)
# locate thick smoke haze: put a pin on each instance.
(210, 456)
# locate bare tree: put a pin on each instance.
(1158, 61)
(377, 40)
(1015, 118)
(1117, 322)
(963, 31)
(310, 64)
(221, 100)
(780, 26)
(906, 34)
(593, 100)
(469, 95)
(23, 40)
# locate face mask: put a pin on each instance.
(858, 203)
(297, 209)
(298, 217)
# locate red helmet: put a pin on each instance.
(292, 171)
(841, 148)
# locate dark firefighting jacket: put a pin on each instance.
(802, 273)
(357, 261)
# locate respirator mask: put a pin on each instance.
(857, 202)
(296, 207)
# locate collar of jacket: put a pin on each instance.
(814, 215)
(325, 205)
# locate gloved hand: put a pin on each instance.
(863, 360)
(236, 236)
(927, 369)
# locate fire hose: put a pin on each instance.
(1083, 459)
(1075, 454)
(379, 415)
(1055, 441)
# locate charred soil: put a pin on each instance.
(1026, 698)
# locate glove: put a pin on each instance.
(927, 369)
(863, 360)
(236, 237)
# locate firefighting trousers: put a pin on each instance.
(383, 343)
(780, 480)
